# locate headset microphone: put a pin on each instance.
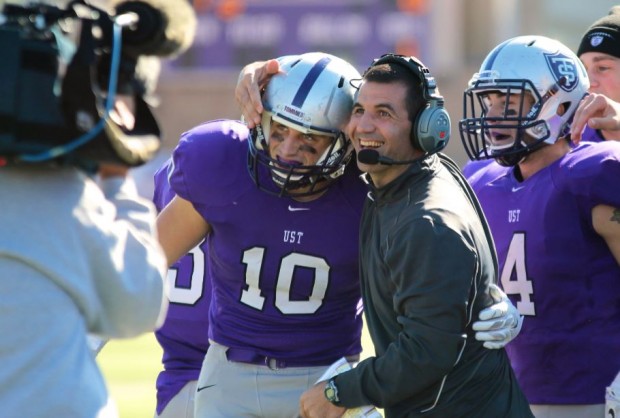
(372, 157)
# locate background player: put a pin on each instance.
(520, 105)
(183, 336)
(599, 50)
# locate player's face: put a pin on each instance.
(604, 73)
(380, 121)
(294, 147)
(505, 106)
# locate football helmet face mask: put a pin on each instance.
(312, 94)
(522, 69)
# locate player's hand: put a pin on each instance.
(252, 80)
(499, 323)
(598, 112)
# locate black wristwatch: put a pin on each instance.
(331, 392)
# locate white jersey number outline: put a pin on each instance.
(515, 260)
(252, 296)
(188, 295)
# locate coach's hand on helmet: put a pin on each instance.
(499, 323)
(252, 79)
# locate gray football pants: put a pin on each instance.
(229, 389)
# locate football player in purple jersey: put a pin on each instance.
(189, 293)
(599, 50)
(555, 216)
(282, 240)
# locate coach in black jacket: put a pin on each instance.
(427, 262)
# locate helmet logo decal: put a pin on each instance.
(306, 85)
(294, 112)
(563, 66)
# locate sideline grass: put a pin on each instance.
(130, 368)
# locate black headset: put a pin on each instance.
(431, 128)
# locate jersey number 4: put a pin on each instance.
(515, 261)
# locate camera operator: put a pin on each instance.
(78, 246)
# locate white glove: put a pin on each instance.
(499, 323)
(612, 399)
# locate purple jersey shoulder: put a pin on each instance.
(207, 158)
(591, 171)
(476, 171)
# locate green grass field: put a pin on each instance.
(131, 366)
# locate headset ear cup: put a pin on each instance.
(431, 128)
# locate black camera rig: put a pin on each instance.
(60, 72)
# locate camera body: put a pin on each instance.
(58, 77)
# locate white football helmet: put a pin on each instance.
(544, 67)
(312, 94)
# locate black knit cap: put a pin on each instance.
(603, 36)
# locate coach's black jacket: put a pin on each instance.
(426, 262)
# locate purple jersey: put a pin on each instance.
(472, 167)
(559, 272)
(184, 335)
(591, 135)
(284, 273)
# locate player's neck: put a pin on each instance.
(311, 197)
(542, 158)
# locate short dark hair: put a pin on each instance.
(396, 73)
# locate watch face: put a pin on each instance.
(331, 392)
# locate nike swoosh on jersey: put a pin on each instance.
(292, 209)
(516, 189)
(204, 387)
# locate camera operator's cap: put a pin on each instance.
(603, 36)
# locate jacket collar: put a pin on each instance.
(396, 189)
